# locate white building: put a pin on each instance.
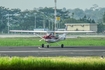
(81, 27)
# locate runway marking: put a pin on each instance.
(20, 51)
(40, 48)
(31, 51)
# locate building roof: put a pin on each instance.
(80, 24)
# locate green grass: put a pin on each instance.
(86, 42)
(68, 42)
(52, 63)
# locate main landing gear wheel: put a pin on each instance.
(62, 45)
(42, 45)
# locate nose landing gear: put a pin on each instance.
(47, 46)
(44, 45)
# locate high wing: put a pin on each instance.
(72, 31)
(25, 31)
(29, 31)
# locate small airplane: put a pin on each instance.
(51, 36)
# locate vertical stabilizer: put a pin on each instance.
(62, 37)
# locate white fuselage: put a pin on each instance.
(53, 39)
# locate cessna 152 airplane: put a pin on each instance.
(52, 36)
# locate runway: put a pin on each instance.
(52, 51)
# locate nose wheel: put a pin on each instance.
(46, 45)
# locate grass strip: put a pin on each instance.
(52, 63)
(68, 42)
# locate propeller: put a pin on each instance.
(41, 39)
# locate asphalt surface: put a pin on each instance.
(52, 51)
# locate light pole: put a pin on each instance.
(44, 24)
(35, 20)
(55, 15)
(49, 21)
(49, 24)
(8, 24)
(52, 26)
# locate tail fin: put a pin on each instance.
(62, 37)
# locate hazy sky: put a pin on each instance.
(69, 4)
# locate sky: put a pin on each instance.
(68, 4)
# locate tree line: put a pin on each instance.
(44, 18)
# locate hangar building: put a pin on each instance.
(81, 27)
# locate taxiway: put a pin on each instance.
(52, 51)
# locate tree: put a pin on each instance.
(104, 17)
(100, 27)
(26, 19)
(72, 15)
(78, 13)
